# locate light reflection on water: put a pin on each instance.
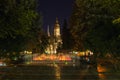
(55, 72)
(101, 76)
(101, 70)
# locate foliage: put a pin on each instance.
(18, 21)
(79, 23)
(92, 25)
(44, 42)
(66, 37)
(116, 21)
(16, 17)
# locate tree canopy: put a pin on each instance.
(20, 23)
(93, 25)
(66, 36)
(16, 17)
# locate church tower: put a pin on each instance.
(57, 34)
(56, 28)
(55, 40)
(48, 31)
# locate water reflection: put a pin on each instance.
(48, 72)
(101, 70)
(107, 72)
(57, 72)
(101, 76)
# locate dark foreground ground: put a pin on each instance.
(57, 72)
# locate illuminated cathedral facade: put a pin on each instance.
(55, 41)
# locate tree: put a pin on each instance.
(116, 21)
(66, 37)
(92, 25)
(79, 22)
(17, 19)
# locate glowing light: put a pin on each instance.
(27, 62)
(57, 72)
(101, 69)
(53, 57)
(66, 63)
(2, 64)
(101, 76)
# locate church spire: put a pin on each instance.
(57, 21)
(56, 28)
(48, 31)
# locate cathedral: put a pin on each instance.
(55, 41)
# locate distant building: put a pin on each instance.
(55, 40)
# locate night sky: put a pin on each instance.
(51, 9)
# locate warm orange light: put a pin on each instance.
(101, 76)
(101, 68)
(52, 57)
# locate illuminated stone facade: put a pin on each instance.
(55, 40)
